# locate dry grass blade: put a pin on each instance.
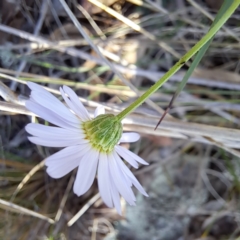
(94, 228)
(133, 70)
(138, 40)
(108, 63)
(134, 26)
(157, 6)
(208, 15)
(81, 54)
(84, 209)
(64, 199)
(5, 107)
(92, 22)
(7, 94)
(12, 78)
(15, 108)
(171, 128)
(192, 129)
(37, 29)
(142, 4)
(49, 44)
(220, 145)
(5, 91)
(27, 178)
(21, 210)
(15, 164)
(211, 189)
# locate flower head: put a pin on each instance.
(92, 145)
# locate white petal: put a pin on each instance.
(99, 110)
(49, 101)
(86, 172)
(56, 142)
(126, 157)
(130, 175)
(115, 198)
(137, 185)
(39, 90)
(63, 167)
(47, 114)
(67, 152)
(39, 130)
(104, 180)
(54, 105)
(73, 107)
(79, 109)
(64, 161)
(35, 87)
(124, 175)
(129, 137)
(125, 154)
(119, 180)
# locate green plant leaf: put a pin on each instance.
(226, 4)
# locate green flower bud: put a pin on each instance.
(103, 132)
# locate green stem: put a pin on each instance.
(181, 62)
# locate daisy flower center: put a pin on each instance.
(103, 132)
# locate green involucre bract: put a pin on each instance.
(103, 132)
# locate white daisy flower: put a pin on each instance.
(92, 145)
